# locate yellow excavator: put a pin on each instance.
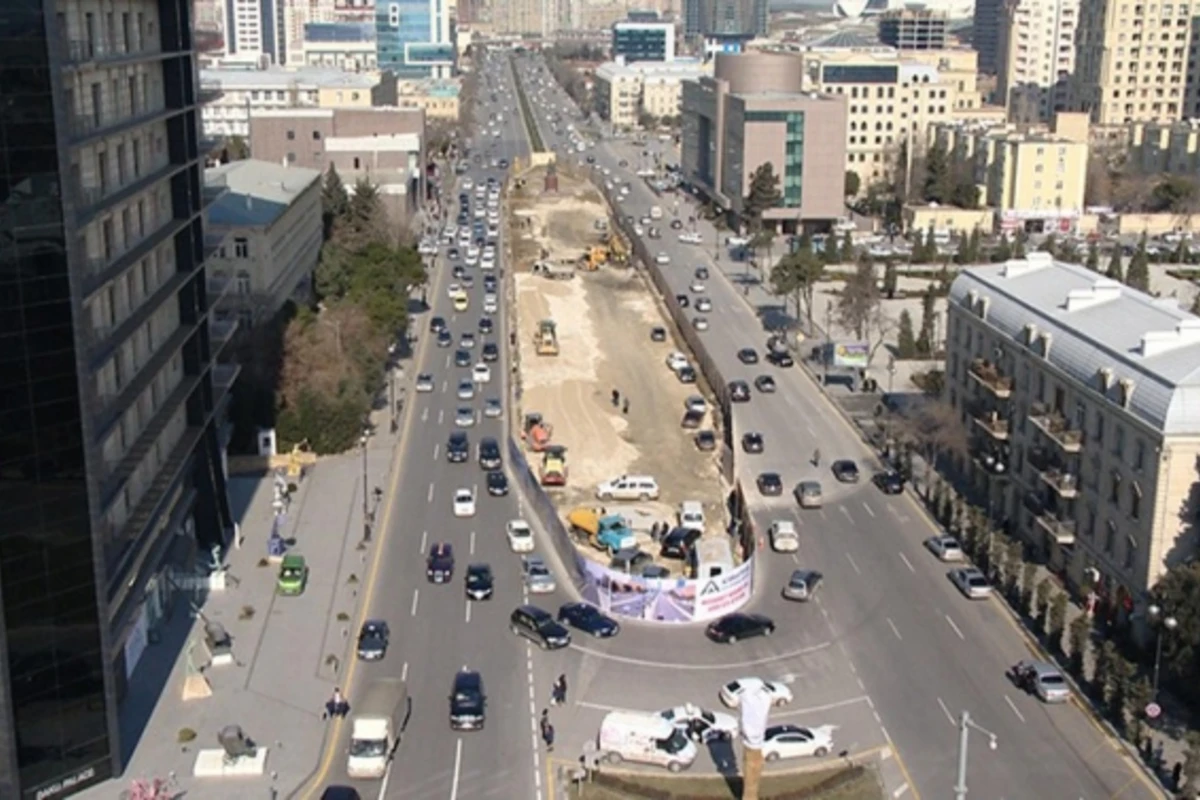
(618, 253)
(546, 338)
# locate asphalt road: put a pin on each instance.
(435, 630)
(889, 631)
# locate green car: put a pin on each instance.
(293, 575)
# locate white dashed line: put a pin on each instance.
(425, 414)
(900, 790)
(429, 494)
(472, 547)
(416, 601)
(437, 450)
(468, 611)
(424, 541)
(857, 571)
(457, 767)
(404, 672)
(955, 627)
(907, 563)
(1013, 706)
(868, 509)
(946, 711)
(441, 416)
(895, 630)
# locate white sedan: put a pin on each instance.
(732, 692)
(662, 259)
(464, 503)
(482, 373)
(793, 741)
(946, 548)
(520, 537)
(971, 582)
(452, 290)
(676, 361)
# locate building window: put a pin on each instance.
(316, 136)
(1099, 426)
(243, 282)
(1110, 536)
(1130, 551)
(1119, 443)
(1135, 500)
(291, 135)
(1139, 455)
(1114, 488)
(241, 247)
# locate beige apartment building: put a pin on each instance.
(1085, 434)
(1134, 62)
(1155, 147)
(893, 97)
(1034, 180)
(622, 92)
(270, 220)
(437, 98)
(1036, 57)
(524, 17)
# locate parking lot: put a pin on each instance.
(603, 323)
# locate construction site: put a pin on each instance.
(596, 400)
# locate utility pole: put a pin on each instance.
(965, 723)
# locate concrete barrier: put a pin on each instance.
(547, 515)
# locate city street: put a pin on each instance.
(897, 631)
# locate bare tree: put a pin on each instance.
(877, 327)
(935, 429)
(1099, 181)
(860, 300)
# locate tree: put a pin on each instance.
(891, 281)
(796, 276)
(1195, 309)
(1181, 255)
(935, 429)
(974, 245)
(334, 199)
(938, 184)
(1099, 184)
(1093, 258)
(925, 339)
(1116, 269)
(906, 343)
(1138, 275)
(1141, 692)
(1019, 242)
(859, 299)
(1050, 245)
(1056, 621)
(1191, 761)
(1102, 675)
(647, 121)
(1003, 251)
(1078, 636)
(852, 183)
(764, 194)
(1177, 194)
(236, 149)
(1028, 575)
(847, 254)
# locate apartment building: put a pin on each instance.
(622, 92)
(753, 110)
(524, 17)
(243, 92)
(438, 99)
(1154, 147)
(348, 46)
(643, 41)
(254, 32)
(1034, 179)
(1133, 62)
(1084, 433)
(985, 34)
(270, 220)
(895, 97)
(113, 486)
(298, 15)
(1036, 58)
(384, 145)
(914, 29)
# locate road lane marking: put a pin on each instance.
(404, 672)
(468, 611)
(846, 511)
(857, 571)
(907, 563)
(424, 540)
(868, 508)
(416, 601)
(472, 549)
(387, 773)
(1011, 705)
(447, 367)
(441, 415)
(900, 790)
(691, 667)
(896, 631)
(457, 767)
(437, 450)
(946, 711)
(425, 414)
(955, 627)
(429, 494)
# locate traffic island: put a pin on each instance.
(818, 782)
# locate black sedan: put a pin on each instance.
(706, 441)
(479, 582)
(770, 484)
(732, 627)
(765, 384)
(588, 619)
(437, 324)
(676, 224)
(486, 325)
(373, 640)
(845, 471)
(889, 481)
(752, 442)
(462, 358)
(748, 355)
(444, 338)
(683, 300)
(497, 484)
(491, 352)
(739, 391)
(781, 359)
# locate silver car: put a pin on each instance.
(802, 585)
(1048, 683)
(424, 382)
(538, 577)
(466, 390)
(493, 408)
(971, 582)
(464, 418)
(703, 304)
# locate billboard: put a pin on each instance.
(724, 594)
(851, 355)
(663, 599)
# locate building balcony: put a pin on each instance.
(989, 458)
(217, 286)
(991, 423)
(1063, 530)
(1057, 429)
(114, 118)
(988, 376)
(1064, 484)
(220, 332)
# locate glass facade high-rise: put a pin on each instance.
(643, 41)
(414, 38)
(111, 475)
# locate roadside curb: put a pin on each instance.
(862, 758)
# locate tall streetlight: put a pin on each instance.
(365, 510)
(1161, 623)
(828, 338)
(965, 723)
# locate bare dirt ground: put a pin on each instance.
(604, 320)
(560, 223)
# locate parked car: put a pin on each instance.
(794, 741)
(971, 582)
(889, 481)
(845, 470)
(946, 548)
(732, 692)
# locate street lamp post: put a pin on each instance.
(1161, 623)
(365, 510)
(828, 338)
(965, 723)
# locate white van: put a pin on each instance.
(629, 487)
(645, 739)
(691, 515)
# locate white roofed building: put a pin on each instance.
(1081, 398)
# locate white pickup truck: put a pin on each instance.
(376, 727)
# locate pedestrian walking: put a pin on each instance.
(616, 398)
(560, 690)
(1176, 775)
(547, 730)
(625, 408)
(336, 706)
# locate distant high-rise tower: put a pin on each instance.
(985, 34)
(1036, 58)
(254, 31)
(413, 38)
(913, 29)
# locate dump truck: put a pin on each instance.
(554, 466)
(537, 432)
(376, 727)
(604, 531)
(556, 271)
(546, 338)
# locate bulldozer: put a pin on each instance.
(554, 466)
(594, 257)
(546, 338)
(618, 253)
(537, 432)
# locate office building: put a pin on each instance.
(1036, 58)
(1132, 64)
(269, 218)
(643, 41)
(693, 18)
(742, 19)
(985, 34)
(624, 94)
(254, 32)
(1084, 434)
(414, 38)
(298, 16)
(242, 92)
(914, 29)
(524, 17)
(895, 97)
(1034, 179)
(348, 46)
(384, 145)
(113, 485)
(438, 99)
(754, 110)
(1153, 148)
